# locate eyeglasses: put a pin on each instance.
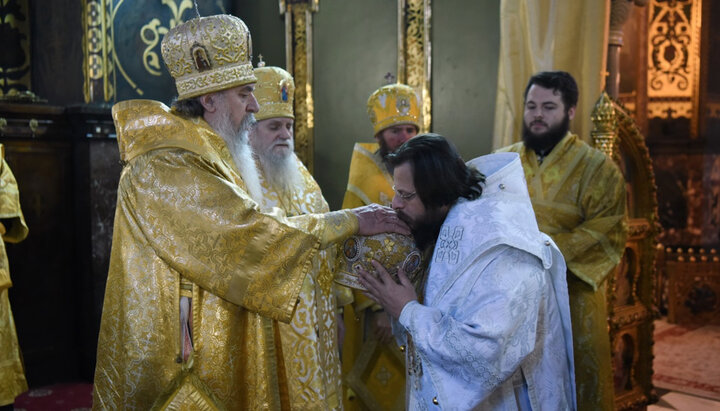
(405, 196)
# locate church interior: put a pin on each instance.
(648, 99)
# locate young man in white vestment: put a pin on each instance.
(488, 324)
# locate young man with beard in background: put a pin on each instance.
(578, 194)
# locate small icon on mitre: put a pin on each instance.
(200, 57)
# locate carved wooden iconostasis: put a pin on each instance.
(630, 293)
(666, 54)
(671, 51)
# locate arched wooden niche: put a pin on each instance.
(631, 305)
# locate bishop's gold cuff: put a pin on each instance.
(339, 225)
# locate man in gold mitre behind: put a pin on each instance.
(578, 194)
(13, 230)
(394, 112)
(198, 273)
(310, 341)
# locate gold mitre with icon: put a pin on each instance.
(392, 105)
(391, 250)
(275, 92)
(208, 54)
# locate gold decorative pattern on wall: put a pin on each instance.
(299, 63)
(152, 32)
(414, 52)
(674, 59)
(15, 55)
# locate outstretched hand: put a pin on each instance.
(375, 219)
(391, 295)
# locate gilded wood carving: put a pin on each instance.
(631, 298)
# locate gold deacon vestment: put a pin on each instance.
(578, 195)
(379, 368)
(13, 230)
(309, 341)
(369, 181)
(184, 225)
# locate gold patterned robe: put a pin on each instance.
(13, 229)
(309, 342)
(578, 195)
(184, 225)
(378, 369)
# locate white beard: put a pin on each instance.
(239, 147)
(281, 172)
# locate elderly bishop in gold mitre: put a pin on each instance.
(199, 275)
(310, 340)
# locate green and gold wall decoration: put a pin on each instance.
(121, 45)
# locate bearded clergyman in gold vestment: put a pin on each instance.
(309, 343)
(12, 229)
(578, 195)
(372, 362)
(198, 274)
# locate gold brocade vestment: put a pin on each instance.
(378, 370)
(578, 195)
(309, 342)
(13, 229)
(183, 215)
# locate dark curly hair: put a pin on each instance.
(560, 81)
(440, 175)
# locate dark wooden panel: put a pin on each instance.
(97, 172)
(57, 53)
(45, 285)
(67, 168)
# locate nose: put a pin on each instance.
(286, 134)
(253, 105)
(397, 203)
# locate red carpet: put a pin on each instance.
(59, 397)
(687, 359)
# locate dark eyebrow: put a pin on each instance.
(250, 88)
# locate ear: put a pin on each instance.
(571, 112)
(208, 102)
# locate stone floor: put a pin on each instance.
(673, 400)
(686, 367)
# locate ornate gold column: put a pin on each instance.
(298, 61)
(414, 52)
(99, 84)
